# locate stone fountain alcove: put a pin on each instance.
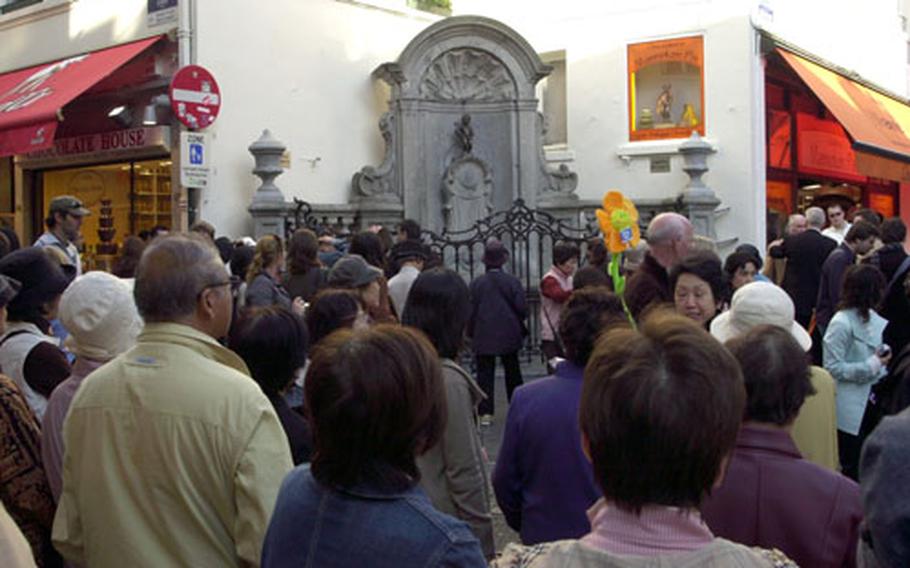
(463, 135)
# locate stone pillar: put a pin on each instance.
(268, 208)
(698, 201)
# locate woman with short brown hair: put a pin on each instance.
(660, 411)
(376, 401)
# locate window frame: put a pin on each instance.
(689, 49)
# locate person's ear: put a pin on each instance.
(586, 446)
(206, 306)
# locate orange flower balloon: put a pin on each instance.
(618, 220)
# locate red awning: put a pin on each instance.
(31, 99)
(878, 124)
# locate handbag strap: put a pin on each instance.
(900, 270)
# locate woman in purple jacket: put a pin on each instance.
(544, 484)
(771, 496)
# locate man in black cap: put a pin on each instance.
(64, 222)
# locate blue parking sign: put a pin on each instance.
(196, 154)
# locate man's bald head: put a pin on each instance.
(669, 238)
(173, 271)
(796, 224)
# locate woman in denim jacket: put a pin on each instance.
(850, 354)
(376, 401)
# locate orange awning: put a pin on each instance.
(878, 124)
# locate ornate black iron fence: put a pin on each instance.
(528, 234)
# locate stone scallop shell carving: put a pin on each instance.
(467, 75)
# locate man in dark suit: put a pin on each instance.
(859, 241)
(805, 254)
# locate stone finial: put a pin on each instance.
(697, 200)
(267, 152)
(268, 208)
(695, 163)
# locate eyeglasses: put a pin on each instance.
(210, 286)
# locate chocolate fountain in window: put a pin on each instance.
(106, 230)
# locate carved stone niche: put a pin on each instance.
(462, 66)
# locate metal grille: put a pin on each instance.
(528, 234)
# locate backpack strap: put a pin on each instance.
(13, 334)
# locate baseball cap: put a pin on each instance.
(68, 204)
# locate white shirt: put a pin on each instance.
(837, 234)
(400, 287)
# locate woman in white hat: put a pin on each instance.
(99, 311)
(762, 303)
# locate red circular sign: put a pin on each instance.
(195, 97)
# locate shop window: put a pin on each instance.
(139, 194)
(780, 140)
(552, 101)
(666, 89)
(883, 203)
(7, 212)
(7, 6)
(824, 149)
(780, 197)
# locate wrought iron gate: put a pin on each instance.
(528, 234)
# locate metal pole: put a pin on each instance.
(186, 55)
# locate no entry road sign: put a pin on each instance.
(195, 97)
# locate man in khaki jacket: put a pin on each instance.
(173, 455)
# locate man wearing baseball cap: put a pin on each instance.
(64, 222)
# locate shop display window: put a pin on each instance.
(130, 197)
(883, 203)
(666, 89)
(780, 197)
(780, 140)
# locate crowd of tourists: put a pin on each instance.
(307, 403)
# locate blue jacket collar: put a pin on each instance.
(569, 370)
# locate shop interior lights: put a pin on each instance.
(122, 115)
(150, 113)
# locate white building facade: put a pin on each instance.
(303, 70)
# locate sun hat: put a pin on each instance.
(759, 303)
(408, 249)
(42, 279)
(9, 287)
(352, 271)
(100, 314)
